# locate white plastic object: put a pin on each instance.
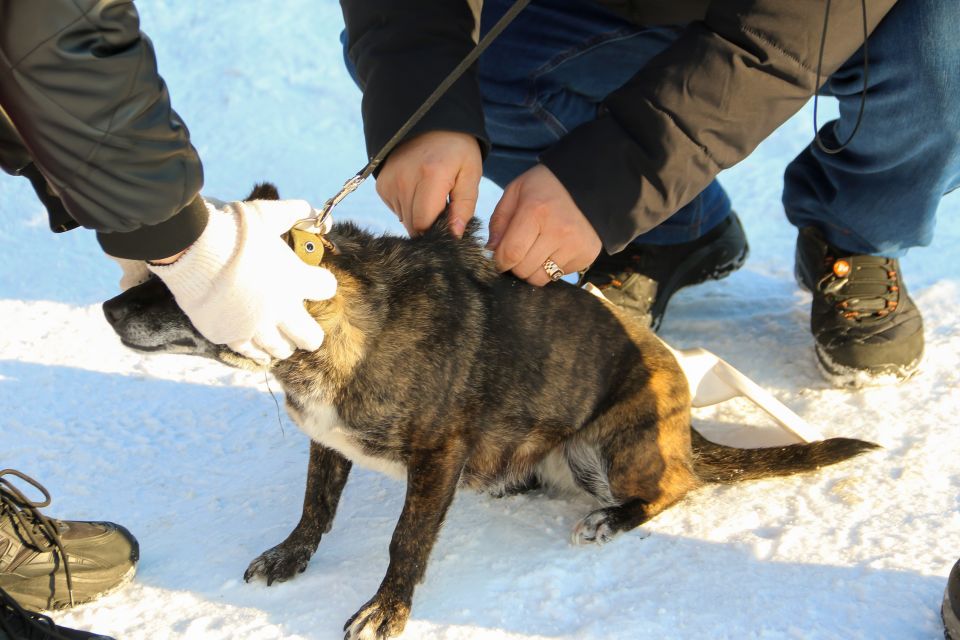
(713, 380)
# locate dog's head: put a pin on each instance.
(148, 318)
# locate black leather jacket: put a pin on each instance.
(89, 122)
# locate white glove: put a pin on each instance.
(134, 272)
(242, 286)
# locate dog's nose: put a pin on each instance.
(115, 311)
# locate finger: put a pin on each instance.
(318, 284)
(387, 192)
(517, 240)
(247, 349)
(279, 215)
(531, 267)
(303, 330)
(274, 343)
(429, 201)
(463, 201)
(502, 214)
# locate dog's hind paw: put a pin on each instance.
(600, 527)
(280, 563)
(379, 619)
(593, 529)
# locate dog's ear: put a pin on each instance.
(263, 191)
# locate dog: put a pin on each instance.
(439, 370)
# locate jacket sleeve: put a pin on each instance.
(699, 107)
(401, 51)
(79, 81)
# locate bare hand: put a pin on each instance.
(535, 220)
(424, 171)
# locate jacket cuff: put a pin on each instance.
(154, 242)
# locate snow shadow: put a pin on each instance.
(206, 479)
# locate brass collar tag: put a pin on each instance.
(308, 246)
(308, 239)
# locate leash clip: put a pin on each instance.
(307, 237)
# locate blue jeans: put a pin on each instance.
(880, 195)
(547, 74)
(550, 69)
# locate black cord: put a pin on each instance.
(454, 75)
(863, 94)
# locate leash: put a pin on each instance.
(307, 235)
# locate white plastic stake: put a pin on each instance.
(713, 380)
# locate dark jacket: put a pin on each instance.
(90, 124)
(739, 69)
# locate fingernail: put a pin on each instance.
(493, 241)
(457, 226)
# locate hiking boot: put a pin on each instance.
(642, 278)
(19, 624)
(51, 564)
(950, 611)
(866, 328)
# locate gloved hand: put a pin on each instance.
(242, 286)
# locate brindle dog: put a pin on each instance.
(439, 370)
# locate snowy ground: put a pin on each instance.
(190, 456)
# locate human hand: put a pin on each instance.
(242, 286)
(536, 220)
(424, 171)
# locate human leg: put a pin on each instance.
(860, 209)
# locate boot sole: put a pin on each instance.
(42, 604)
(54, 595)
(851, 378)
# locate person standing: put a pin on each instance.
(87, 119)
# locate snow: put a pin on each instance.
(189, 455)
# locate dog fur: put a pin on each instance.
(441, 371)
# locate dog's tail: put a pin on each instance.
(714, 462)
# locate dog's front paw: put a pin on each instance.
(280, 563)
(379, 619)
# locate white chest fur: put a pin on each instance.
(323, 425)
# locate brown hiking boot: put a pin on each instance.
(52, 564)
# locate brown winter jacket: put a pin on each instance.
(89, 122)
(739, 69)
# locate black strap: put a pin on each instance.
(431, 100)
(442, 88)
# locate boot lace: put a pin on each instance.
(861, 287)
(38, 530)
(39, 625)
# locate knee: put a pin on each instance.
(931, 36)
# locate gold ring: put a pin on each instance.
(553, 269)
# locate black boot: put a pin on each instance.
(52, 564)
(19, 624)
(866, 328)
(642, 278)
(950, 611)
